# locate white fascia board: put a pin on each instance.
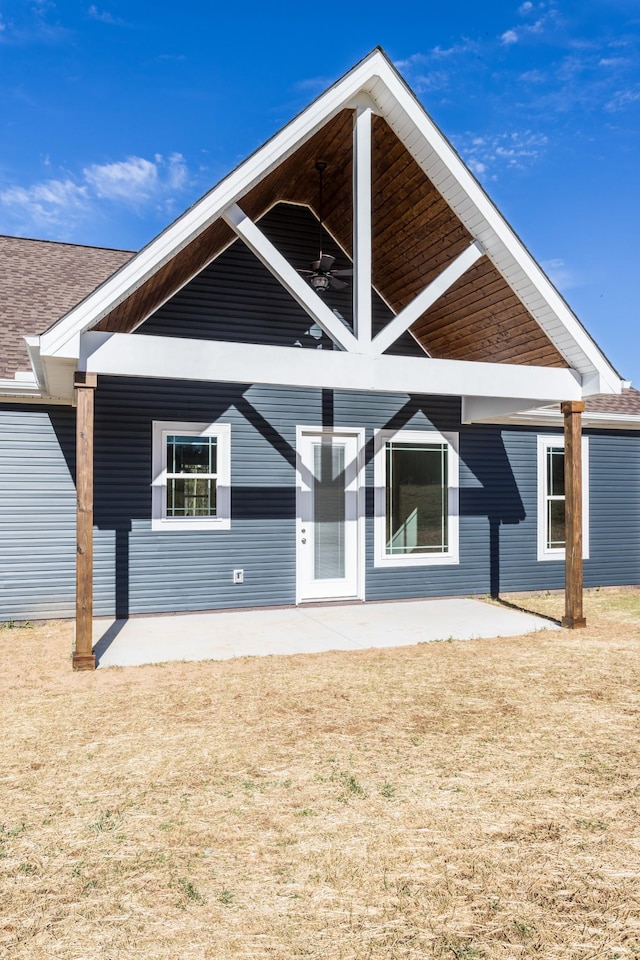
(495, 226)
(19, 388)
(487, 409)
(554, 418)
(210, 207)
(135, 355)
(289, 278)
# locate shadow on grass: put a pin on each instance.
(522, 609)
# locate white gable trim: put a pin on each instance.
(377, 79)
(458, 186)
(210, 207)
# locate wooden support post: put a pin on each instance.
(85, 385)
(573, 410)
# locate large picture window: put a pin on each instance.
(551, 498)
(416, 478)
(191, 476)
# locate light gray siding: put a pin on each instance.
(37, 512)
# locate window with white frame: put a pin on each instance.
(191, 476)
(551, 498)
(416, 498)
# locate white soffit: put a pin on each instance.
(376, 78)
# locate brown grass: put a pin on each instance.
(451, 800)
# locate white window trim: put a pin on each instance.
(452, 554)
(159, 519)
(544, 442)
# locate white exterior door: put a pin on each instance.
(328, 526)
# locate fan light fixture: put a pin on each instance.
(321, 277)
(319, 282)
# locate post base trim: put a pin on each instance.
(84, 661)
(574, 623)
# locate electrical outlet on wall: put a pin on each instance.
(238, 576)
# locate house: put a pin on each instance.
(338, 376)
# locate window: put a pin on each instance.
(551, 500)
(416, 479)
(191, 476)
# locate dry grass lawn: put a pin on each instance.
(451, 800)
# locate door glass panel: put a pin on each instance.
(329, 511)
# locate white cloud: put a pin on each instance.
(46, 204)
(477, 167)
(487, 155)
(102, 15)
(622, 99)
(509, 37)
(415, 60)
(133, 180)
(560, 274)
(61, 204)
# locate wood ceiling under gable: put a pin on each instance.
(415, 235)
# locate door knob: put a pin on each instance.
(304, 539)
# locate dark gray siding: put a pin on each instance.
(236, 298)
(498, 505)
(37, 512)
(614, 468)
(138, 570)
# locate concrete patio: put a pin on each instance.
(304, 629)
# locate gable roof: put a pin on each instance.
(41, 279)
(505, 311)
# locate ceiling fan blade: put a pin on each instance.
(309, 272)
(324, 263)
(342, 273)
(337, 284)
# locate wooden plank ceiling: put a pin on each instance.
(415, 236)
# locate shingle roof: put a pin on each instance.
(39, 282)
(627, 403)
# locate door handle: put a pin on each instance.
(304, 539)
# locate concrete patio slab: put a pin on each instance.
(304, 629)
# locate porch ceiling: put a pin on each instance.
(415, 234)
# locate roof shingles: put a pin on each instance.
(40, 281)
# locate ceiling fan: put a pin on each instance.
(321, 276)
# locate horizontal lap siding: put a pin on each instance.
(184, 570)
(37, 512)
(138, 570)
(614, 467)
(237, 299)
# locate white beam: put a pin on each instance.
(289, 278)
(480, 409)
(362, 255)
(429, 295)
(136, 355)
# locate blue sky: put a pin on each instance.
(116, 116)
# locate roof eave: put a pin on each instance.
(375, 76)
